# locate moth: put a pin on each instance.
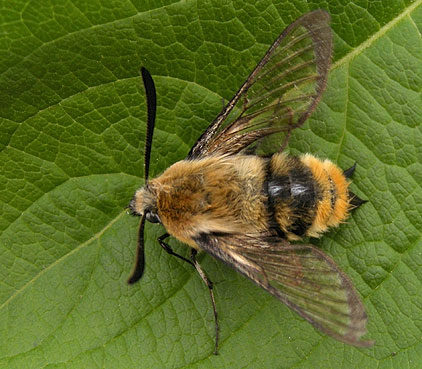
(246, 209)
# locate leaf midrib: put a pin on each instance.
(377, 35)
(62, 258)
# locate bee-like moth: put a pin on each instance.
(245, 209)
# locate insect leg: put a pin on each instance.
(202, 274)
(210, 288)
(170, 251)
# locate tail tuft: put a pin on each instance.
(355, 200)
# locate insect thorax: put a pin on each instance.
(290, 196)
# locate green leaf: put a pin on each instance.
(72, 115)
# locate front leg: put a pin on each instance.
(210, 289)
(169, 250)
(202, 274)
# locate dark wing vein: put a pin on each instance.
(301, 276)
(279, 94)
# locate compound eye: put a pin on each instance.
(153, 217)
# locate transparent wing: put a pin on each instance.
(280, 93)
(301, 276)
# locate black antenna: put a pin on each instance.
(138, 270)
(151, 95)
(151, 109)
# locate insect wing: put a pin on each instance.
(280, 93)
(301, 276)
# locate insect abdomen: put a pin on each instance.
(306, 195)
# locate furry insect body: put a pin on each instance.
(307, 195)
(245, 209)
(210, 195)
(289, 196)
